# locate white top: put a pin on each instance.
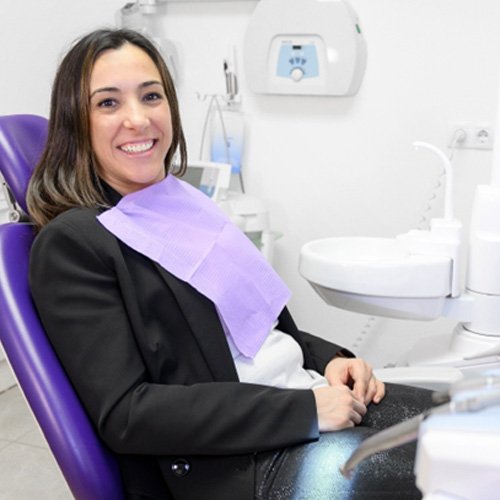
(278, 363)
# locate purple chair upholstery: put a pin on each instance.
(22, 138)
(88, 467)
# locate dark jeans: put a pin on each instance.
(311, 471)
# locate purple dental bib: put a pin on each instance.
(180, 228)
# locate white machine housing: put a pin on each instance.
(304, 47)
(457, 453)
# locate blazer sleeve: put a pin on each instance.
(317, 352)
(73, 279)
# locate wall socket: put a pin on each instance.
(477, 136)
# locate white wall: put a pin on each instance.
(325, 166)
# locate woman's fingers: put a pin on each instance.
(380, 392)
(337, 408)
(357, 374)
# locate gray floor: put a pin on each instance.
(27, 468)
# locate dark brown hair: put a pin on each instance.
(66, 175)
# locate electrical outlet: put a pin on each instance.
(471, 136)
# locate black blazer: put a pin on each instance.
(148, 357)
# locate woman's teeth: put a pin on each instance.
(138, 147)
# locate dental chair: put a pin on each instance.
(87, 466)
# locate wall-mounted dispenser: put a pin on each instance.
(308, 47)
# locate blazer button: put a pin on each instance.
(180, 467)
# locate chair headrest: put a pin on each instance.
(22, 139)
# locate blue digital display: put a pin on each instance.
(292, 56)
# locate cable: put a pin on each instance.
(371, 322)
(214, 99)
(205, 126)
(423, 223)
(448, 196)
(458, 137)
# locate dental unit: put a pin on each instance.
(417, 276)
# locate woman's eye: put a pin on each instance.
(106, 103)
(153, 96)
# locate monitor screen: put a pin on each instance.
(209, 177)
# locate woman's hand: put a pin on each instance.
(357, 375)
(337, 408)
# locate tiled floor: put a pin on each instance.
(27, 468)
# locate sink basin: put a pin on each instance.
(377, 276)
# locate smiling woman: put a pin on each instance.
(130, 124)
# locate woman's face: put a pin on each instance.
(130, 122)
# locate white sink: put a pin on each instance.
(377, 276)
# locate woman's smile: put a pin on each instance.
(137, 146)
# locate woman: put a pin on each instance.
(202, 387)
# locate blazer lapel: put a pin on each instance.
(202, 317)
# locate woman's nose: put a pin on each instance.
(136, 117)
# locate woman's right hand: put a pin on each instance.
(337, 408)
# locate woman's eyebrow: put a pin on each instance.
(116, 89)
(150, 82)
(104, 89)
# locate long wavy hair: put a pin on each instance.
(67, 173)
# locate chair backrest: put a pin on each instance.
(88, 467)
(22, 138)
